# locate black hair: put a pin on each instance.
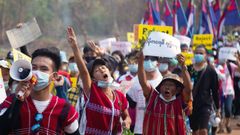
(119, 53)
(51, 52)
(87, 49)
(183, 46)
(132, 54)
(203, 46)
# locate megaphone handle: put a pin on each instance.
(20, 94)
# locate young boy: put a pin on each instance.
(167, 104)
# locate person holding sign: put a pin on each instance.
(39, 112)
(154, 77)
(105, 105)
(226, 71)
(205, 91)
(167, 103)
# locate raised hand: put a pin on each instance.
(181, 59)
(72, 39)
(98, 50)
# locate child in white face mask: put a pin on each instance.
(105, 106)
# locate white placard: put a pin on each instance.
(27, 33)
(123, 46)
(3, 94)
(183, 39)
(107, 43)
(161, 45)
(227, 53)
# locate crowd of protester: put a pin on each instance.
(101, 93)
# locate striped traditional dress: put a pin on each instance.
(56, 116)
(164, 118)
(103, 115)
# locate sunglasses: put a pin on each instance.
(36, 127)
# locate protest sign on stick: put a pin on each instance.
(183, 39)
(106, 44)
(123, 47)
(27, 33)
(142, 31)
(3, 94)
(203, 39)
(17, 55)
(161, 45)
(227, 53)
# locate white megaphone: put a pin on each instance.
(21, 70)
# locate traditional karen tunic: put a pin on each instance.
(164, 118)
(56, 116)
(103, 115)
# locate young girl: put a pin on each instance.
(167, 104)
(105, 105)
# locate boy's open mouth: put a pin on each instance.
(105, 76)
(167, 93)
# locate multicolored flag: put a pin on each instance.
(217, 10)
(168, 16)
(180, 20)
(189, 30)
(207, 20)
(230, 16)
(152, 13)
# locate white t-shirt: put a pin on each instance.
(136, 93)
(225, 77)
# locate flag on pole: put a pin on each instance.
(180, 19)
(230, 16)
(152, 13)
(189, 30)
(207, 19)
(217, 10)
(168, 16)
(148, 17)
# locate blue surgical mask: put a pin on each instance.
(133, 68)
(73, 67)
(211, 59)
(149, 65)
(163, 67)
(105, 84)
(198, 58)
(173, 62)
(42, 80)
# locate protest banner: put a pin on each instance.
(203, 39)
(3, 94)
(227, 53)
(122, 46)
(27, 33)
(188, 57)
(130, 37)
(17, 55)
(142, 32)
(183, 39)
(107, 43)
(161, 45)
